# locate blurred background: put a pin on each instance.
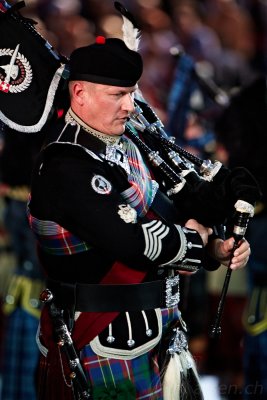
(205, 68)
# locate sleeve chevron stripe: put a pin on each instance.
(154, 232)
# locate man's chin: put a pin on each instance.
(119, 129)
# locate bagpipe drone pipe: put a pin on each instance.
(32, 73)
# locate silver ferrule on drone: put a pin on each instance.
(155, 158)
(209, 169)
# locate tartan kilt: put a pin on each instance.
(108, 374)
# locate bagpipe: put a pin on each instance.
(206, 191)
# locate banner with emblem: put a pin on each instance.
(30, 73)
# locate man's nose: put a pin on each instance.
(128, 103)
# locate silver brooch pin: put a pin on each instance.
(127, 213)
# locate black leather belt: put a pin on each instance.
(109, 298)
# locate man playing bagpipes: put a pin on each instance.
(112, 240)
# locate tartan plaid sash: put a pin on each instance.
(54, 239)
(143, 188)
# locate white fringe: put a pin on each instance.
(131, 35)
(178, 364)
(172, 379)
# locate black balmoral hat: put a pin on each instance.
(107, 61)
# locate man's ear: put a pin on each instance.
(78, 92)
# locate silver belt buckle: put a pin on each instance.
(171, 299)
